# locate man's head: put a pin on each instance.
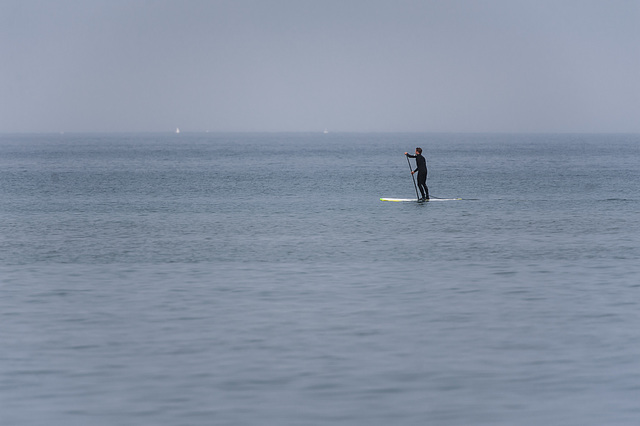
(418, 150)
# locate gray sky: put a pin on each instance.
(301, 65)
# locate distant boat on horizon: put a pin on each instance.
(177, 130)
(325, 131)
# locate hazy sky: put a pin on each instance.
(302, 65)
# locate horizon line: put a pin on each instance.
(320, 132)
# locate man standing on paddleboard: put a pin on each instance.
(421, 168)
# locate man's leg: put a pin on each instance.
(422, 184)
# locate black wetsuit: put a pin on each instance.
(421, 168)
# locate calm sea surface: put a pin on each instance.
(256, 279)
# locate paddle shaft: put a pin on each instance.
(413, 178)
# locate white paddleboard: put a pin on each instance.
(414, 200)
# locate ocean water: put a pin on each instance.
(256, 279)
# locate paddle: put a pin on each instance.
(413, 178)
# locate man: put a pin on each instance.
(421, 168)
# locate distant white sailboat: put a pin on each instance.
(325, 131)
(177, 130)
